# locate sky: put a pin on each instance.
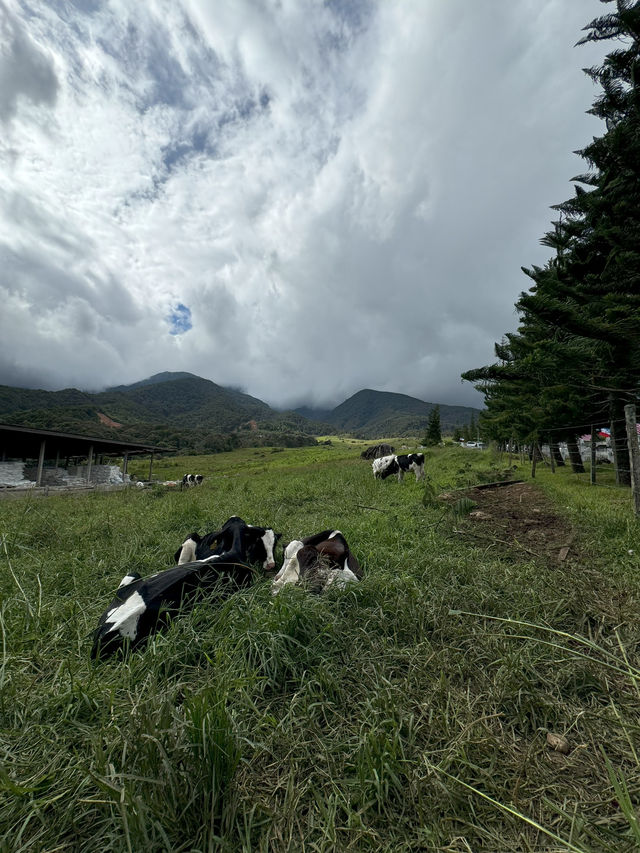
(297, 198)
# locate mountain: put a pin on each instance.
(314, 414)
(171, 409)
(195, 415)
(167, 376)
(182, 399)
(376, 414)
(19, 399)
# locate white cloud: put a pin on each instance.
(341, 194)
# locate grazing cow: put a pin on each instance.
(318, 562)
(142, 605)
(259, 542)
(400, 465)
(189, 480)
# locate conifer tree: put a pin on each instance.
(576, 357)
(434, 434)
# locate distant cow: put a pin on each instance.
(400, 465)
(318, 562)
(259, 543)
(189, 480)
(142, 605)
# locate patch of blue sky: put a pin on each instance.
(179, 320)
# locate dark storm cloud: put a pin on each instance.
(342, 194)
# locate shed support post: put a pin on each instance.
(150, 466)
(40, 464)
(89, 463)
(57, 457)
(125, 463)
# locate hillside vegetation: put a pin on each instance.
(371, 414)
(178, 410)
(406, 713)
(195, 415)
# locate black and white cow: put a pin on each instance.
(400, 465)
(318, 561)
(189, 480)
(259, 542)
(142, 605)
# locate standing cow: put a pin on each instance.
(400, 465)
(189, 480)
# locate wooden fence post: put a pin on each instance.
(537, 454)
(593, 455)
(634, 455)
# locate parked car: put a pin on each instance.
(470, 444)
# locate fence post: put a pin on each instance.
(536, 454)
(634, 455)
(551, 459)
(593, 455)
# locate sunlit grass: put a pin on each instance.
(406, 713)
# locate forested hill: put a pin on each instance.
(374, 414)
(180, 410)
(189, 413)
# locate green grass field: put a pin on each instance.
(379, 718)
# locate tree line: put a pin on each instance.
(574, 359)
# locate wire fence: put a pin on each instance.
(603, 450)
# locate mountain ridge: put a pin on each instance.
(376, 414)
(186, 410)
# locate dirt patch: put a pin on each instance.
(105, 419)
(517, 517)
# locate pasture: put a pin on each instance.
(408, 712)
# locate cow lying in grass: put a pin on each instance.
(318, 562)
(142, 605)
(400, 465)
(260, 543)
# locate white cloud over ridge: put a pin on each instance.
(340, 194)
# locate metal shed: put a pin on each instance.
(25, 443)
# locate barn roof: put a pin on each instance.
(24, 442)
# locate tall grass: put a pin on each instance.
(406, 713)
